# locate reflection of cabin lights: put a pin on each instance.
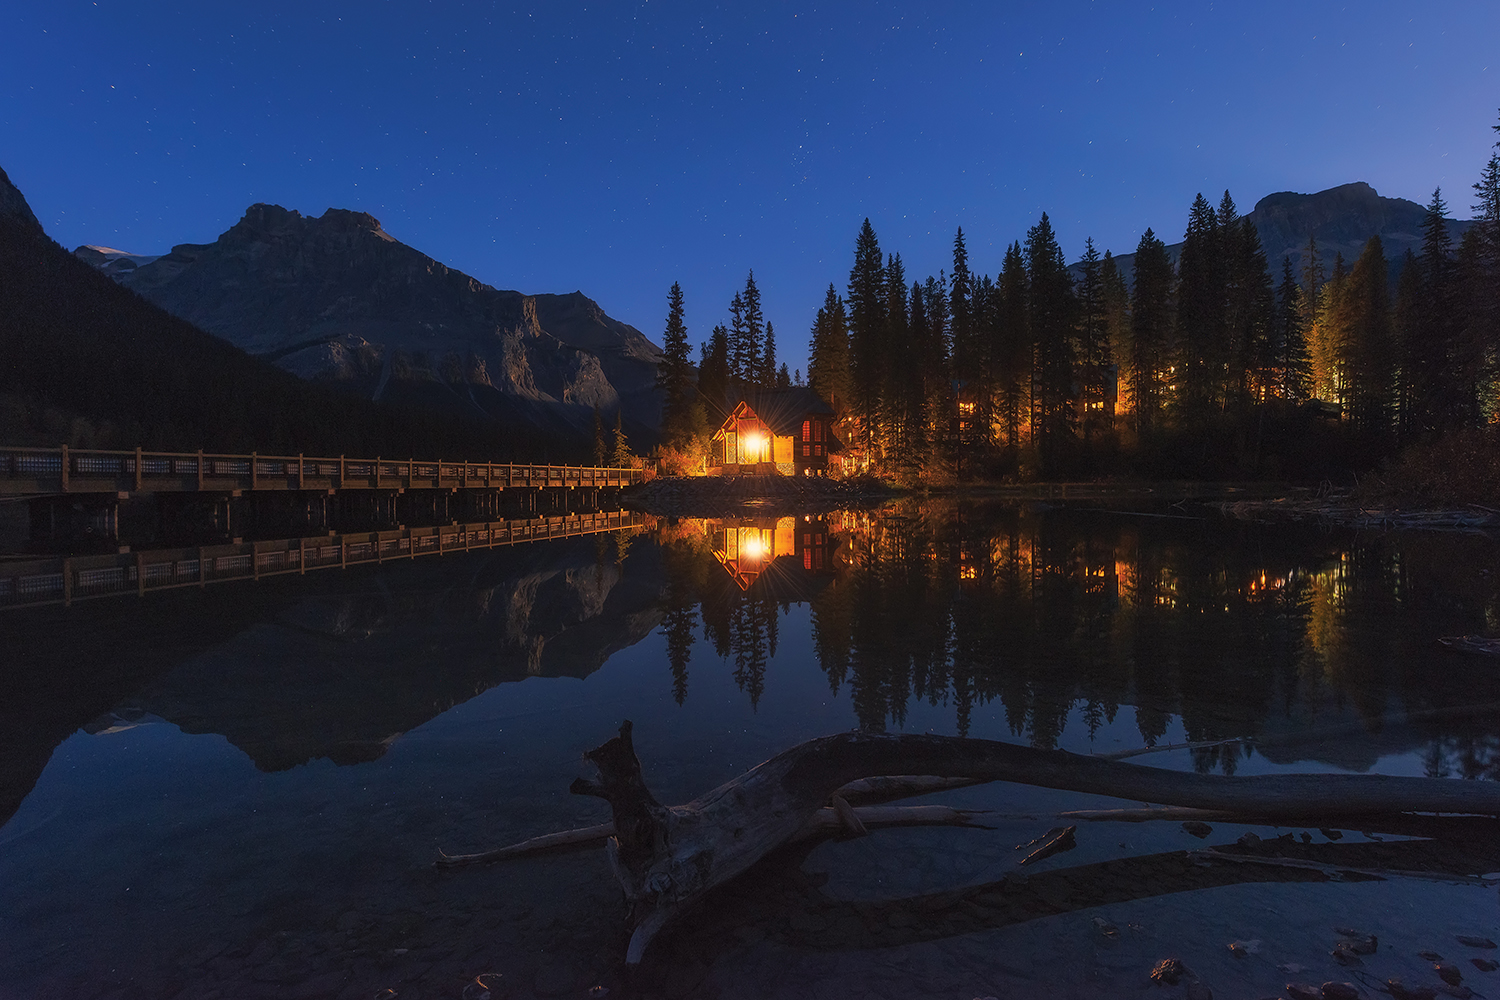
(753, 548)
(968, 573)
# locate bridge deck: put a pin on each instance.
(65, 579)
(43, 471)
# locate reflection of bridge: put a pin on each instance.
(63, 580)
(39, 471)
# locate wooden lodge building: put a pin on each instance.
(786, 432)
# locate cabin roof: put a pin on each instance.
(783, 410)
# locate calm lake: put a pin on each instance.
(239, 791)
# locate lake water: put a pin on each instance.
(239, 791)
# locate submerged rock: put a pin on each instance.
(1169, 971)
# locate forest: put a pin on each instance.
(1226, 365)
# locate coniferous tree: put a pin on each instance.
(768, 358)
(1150, 333)
(1292, 367)
(738, 348)
(1116, 318)
(985, 317)
(1326, 344)
(1366, 322)
(674, 375)
(1093, 340)
(1406, 325)
(1250, 317)
(828, 354)
(1200, 315)
(751, 369)
(784, 377)
(1012, 350)
(903, 409)
(622, 456)
(967, 358)
(714, 376)
(1052, 319)
(1438, 393)
(1482, 280)
(867, 342)
(938, 373)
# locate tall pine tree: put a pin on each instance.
(1053, 396)
(867, 341)
(1150, 333)
(674, 376)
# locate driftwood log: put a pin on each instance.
(667, 858)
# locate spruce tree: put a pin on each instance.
(1366, 321)
(1093, 340)
(674, 375)
(752, 368)
(768, 358)
(1052, 320)
(738, 348)
(1150, 332)
(784, 377)
(867, 342)
(622, 456)
(828, 354)
(714, 377)
(1200, 315)
(1406, 322)
(1438, 389)
(1116, 316)
(1013, 355)
(1292, 369)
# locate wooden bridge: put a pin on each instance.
(65, 579)
(47, 471)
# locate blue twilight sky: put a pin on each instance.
(617, 147)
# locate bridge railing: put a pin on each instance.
(70, 470)
(65, 579)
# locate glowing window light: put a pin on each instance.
(752, 547)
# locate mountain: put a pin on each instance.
(337, 298)
(1342, 218)
(86, 362)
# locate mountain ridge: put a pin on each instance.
(337, 298)
(1342, 218)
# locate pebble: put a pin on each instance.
(1485, 964)
(1197, 828)
(1340, 991)
(1169, 971)
(1474, 942)
(1331, 834)
(1303, 991)
(1429, 956)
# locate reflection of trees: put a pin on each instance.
(1223, 626)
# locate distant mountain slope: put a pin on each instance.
(338, 298)
(1342, 218)
(87, 362)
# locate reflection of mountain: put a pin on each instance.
(342, 675)
(297, 667)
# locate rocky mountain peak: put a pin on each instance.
(13, 204)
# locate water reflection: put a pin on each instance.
(1238, 630)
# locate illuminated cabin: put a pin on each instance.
(785, 432)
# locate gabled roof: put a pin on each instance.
(783, 410)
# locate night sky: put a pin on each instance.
(617, 148)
